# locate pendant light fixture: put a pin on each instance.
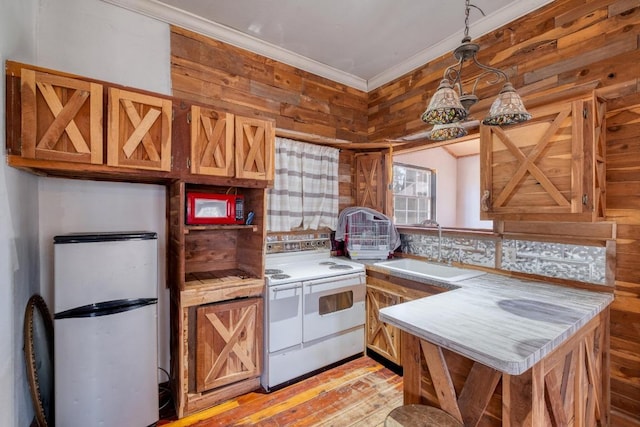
(450, 103)
(447, 132)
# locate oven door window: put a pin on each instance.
(332, 305)
(335, 302)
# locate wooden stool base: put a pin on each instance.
(420, 416)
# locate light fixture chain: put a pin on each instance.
(467, 10)
(466, 18)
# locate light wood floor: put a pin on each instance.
(358, 393)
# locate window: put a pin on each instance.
(414, 194)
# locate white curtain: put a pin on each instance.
(320, 187)
(305, 190)
(284, 209)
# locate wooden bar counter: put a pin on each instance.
(502, 351)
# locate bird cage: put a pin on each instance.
(367, 236)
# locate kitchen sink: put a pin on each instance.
(429, 270)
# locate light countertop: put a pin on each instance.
(505, 323)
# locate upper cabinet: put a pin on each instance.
(66, 125)
(61, 118)
(211, 142)
(551, 168)
(255, 149)
(139, 130)
(371, 170)
(225, 145)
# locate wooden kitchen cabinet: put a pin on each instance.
(60, 124)
(228, 343)
(139, 130)
(226, 145)
(255, 149)
(61, 118)
(551, 168)
(371, 191)
(381, 337)
(384, 290)
(216, 281)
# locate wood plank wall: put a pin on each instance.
(564, 45)
(240, 82)
(208, 71)
(623, 206)
(568, 45)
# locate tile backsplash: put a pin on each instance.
(460, 249)
(574, 262)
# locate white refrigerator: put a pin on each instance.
(105, 329)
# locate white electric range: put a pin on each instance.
(314, 313)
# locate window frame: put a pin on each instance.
(431, 199)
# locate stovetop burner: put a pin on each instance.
(341, 267)
(291, 267)
(280, 276)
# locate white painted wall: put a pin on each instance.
(19, 273)
(95, 39)
(458, 186)
(446, 180)
(468, 214)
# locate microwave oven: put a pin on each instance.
(213, 208)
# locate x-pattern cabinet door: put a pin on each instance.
(139, 130)
(370, 176)
(381, 337)
(550, 168)
(229, 342)
(255, 149)
(212, 146)
(61, 118)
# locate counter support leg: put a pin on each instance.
(412, 368)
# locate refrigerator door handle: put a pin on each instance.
(105, 308)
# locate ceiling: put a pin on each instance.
(361, 43)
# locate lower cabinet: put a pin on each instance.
(384, 290)
(217, 286)
(382, 338)
(229, 343)
(216, 344)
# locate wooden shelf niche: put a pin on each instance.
(217, 282)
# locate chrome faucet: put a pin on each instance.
(433, 222)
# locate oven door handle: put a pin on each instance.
(346, 280)
(276, 289)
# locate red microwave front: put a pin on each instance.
(212, 208)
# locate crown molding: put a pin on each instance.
(174, 16)
(479, 28)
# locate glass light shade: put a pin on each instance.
(507, 109)
(444, 107)
(446, 132)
